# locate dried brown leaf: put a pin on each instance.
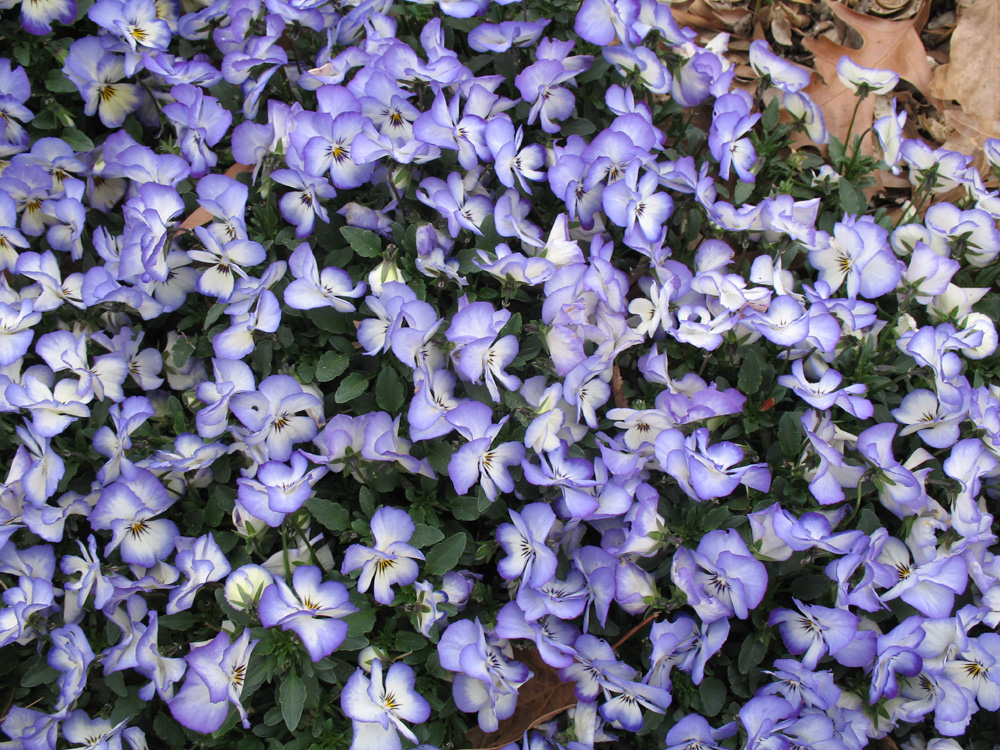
(894, 45)
(540, 699)
(973, 75)
(970, 133)
(781, 26)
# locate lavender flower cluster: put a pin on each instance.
(511, 328)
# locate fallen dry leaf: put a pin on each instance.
(540, 699)
(972, 78)
(894, 45)
(970, 133)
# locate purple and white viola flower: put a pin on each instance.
(379, 705)
(310, 608)
(392, 561)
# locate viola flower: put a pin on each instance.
(540, 86)
(775, 69)
(721, 578)
(684, 644)
(37, 17)
(528, 558)
(202, 561)
(201, 122)
(391, 561)
(278, 489)
(864, 81)
(450, 199)
(895, 653)
(269, 414)
(730, 121)
(378, 706)
(216, 674)
(693, 732)
(97, 75)
(487, 680)
(706, 472)
(929, 586)
(860, 254)
(635, 204)
(310, 608)
(478, 461)
(225, 263)
(128, 508)
(824, 394)
(600, 22)
(312, 288)
(134, 22)
(801, 686)
(815, 631)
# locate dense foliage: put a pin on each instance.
(365, 368)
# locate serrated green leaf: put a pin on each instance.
(389, 393)
(292, 694)
(425, 536)
(355, 384)
(331, 365)
(751, 371)
(331, 515)
(445, 555)
(364, 242)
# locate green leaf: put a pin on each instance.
(751, 654)
(182, 352)
(364, 242)
(368, 501)
(852, 200)
(22, 53)
(769, 121)
(360, 622)
(513, 327)
(389, 394)
(713, 695)
(213, 314)
(742, 192)
(790, 434)
(292, 695)
(837, 152)
(331, 365)
(355, 384)
(810, 588)
(77, 139)
(409, 641)
(750, 373)
(579, 127)
(425, 536)
(445, 555)
(465, 508)
(331, 515)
